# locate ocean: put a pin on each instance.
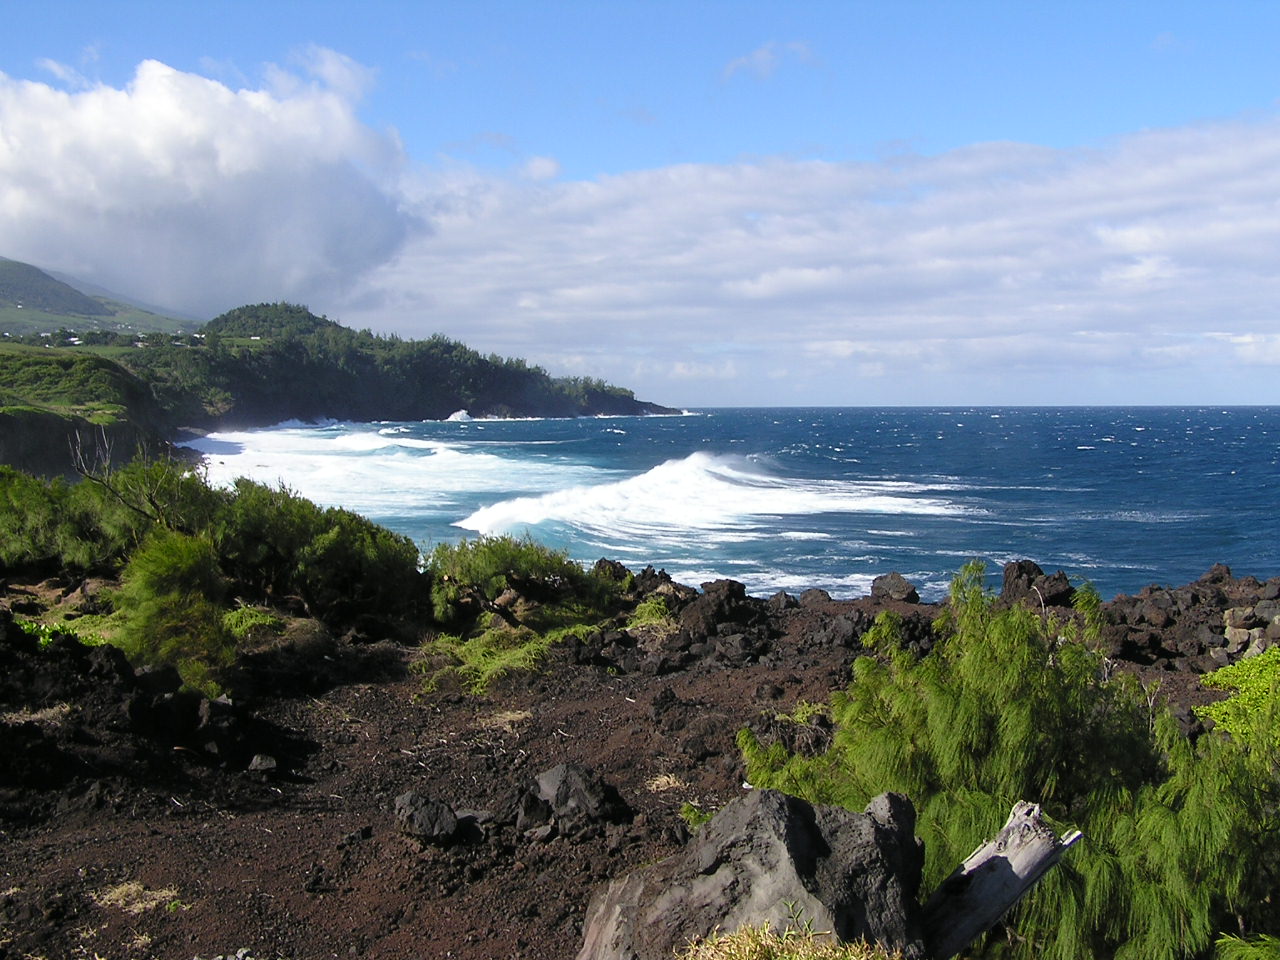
(792, 498)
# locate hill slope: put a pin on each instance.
(55, 401)
(265, 363)
(25, 286)
(32, 301)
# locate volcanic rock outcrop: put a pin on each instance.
(770, 857)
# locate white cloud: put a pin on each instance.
(186, 192)
(1003, 272)
(763, 61)
(69, 76)
(540, 168)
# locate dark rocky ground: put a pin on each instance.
(137, 822)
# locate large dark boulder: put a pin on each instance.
(425, 818)
(769, 857)
(1024, 581)
(894, 586)
(576, 793)
(721, 602)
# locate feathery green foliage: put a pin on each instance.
(187, 550)
(497, 651)
(694, 816)
(470, 576)
(1178, 837)
(1261, 947)
(171, 596)
(251, 623)
(650, 610)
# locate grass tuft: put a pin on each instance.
(763, 943)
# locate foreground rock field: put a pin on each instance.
(334, 810)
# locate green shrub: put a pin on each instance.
(1261, 947)
(1250, 711)
(47, 633)
(497, 651)
(1179, 838)
(469, 576)
(694, 816)
(352, 567)
(251, 623)
(92, 526)
(275, 543)
(653, 615)
(260, 534)
(170, 598)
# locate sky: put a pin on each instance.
(712, 203)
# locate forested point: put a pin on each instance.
(255, 366)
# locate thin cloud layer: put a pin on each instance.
(185, 192)
(1140, 271)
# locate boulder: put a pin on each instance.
(425, 818)
(1024, 580)
(575, 793)
(769, 857)
(894, 586)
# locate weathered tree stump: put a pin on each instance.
(993, 878)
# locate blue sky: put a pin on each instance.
(713, 203)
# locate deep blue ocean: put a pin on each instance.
(793, 498)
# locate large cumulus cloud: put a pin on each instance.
(183, 191)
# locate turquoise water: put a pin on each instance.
(793, 498)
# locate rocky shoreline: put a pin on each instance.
(333, 809)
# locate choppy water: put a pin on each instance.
(794, 498)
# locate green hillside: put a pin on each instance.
(54, 403)
(32, 302)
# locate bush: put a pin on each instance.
(497, 651)
(352, 567)
(468, 577)
(1252, 948)
(247, 624)
(275, 544)
(1180, 839)
(171, 600)
(1250, 712)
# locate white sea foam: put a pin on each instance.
(706, 495)
(373, 471)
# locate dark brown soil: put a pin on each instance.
(121, 838)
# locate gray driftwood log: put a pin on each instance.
(993, 878)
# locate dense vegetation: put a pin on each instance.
(190, 558)
(503, 603)
(74, 385)
(204, 572)
(269, 362)
(1181, 838)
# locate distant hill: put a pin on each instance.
(268, 362)
(33, 301)
(117, 392)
